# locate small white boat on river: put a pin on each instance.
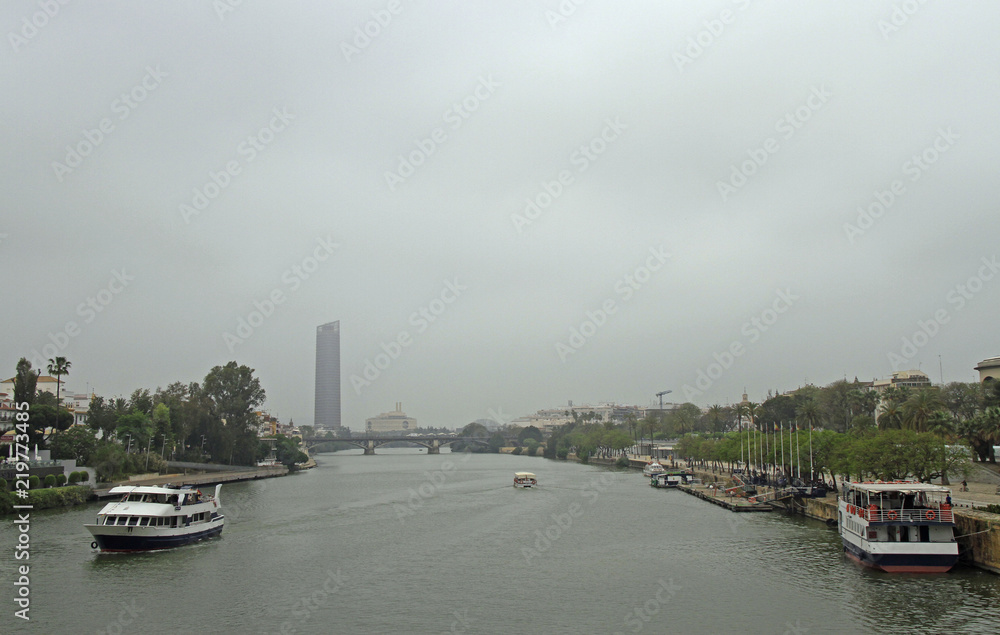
(148, 518)
(898, 526)
(525, 479)
(653, 468)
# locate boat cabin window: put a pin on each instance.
(144, 522)
(133, 520)
(173, 521)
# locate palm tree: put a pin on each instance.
(920, 407)
(808, 412)
(941, 424)
(59, 366)
(715, 416)
(891, 417)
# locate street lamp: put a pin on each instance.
(129, 446)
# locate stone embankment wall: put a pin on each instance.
(979, 538)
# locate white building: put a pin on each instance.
(395, 421)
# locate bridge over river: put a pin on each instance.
(368, 444)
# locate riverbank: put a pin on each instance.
(198, 479)
(45, 498)
(977, 531)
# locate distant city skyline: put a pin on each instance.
(327, 405)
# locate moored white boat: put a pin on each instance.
(154, 517)
(525, 479)
(898, 526)
(652, 468)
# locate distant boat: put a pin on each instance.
(898, 526)
(148, 518)
(525, 479)
(671, 478)
(653, 467)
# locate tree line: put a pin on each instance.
(214, 420)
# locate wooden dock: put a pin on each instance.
(733, 504)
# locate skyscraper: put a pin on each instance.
(328, 376)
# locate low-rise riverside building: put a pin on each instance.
(395, 421)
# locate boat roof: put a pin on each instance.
(899, 486)
(147, 489)
(524, 475)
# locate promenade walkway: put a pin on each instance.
(202, 478)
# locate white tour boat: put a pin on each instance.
(525, 479)
(898, 526)
(160, 517)
(653, 468)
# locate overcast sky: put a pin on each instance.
(693, 167)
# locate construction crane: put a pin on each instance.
(660, 395)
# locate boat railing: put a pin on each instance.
(941, 514)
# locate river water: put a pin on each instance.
(405, 542)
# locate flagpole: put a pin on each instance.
(782, 434)
(798, 455)
(812, 472)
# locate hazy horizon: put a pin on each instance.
(506, 207)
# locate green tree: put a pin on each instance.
(59, 366)
(76, 443)
(891, 417)
(25, 381)
(235, 394)
(134, 430)
(715, 418)
(920, 408)
(496, 442)
(288, 453)
(529, 432)
(43, 421)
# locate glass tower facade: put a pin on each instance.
(328, 376)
